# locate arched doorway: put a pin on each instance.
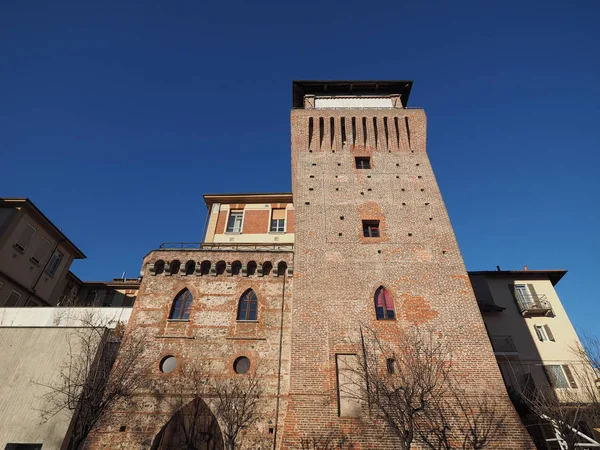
(193, 427)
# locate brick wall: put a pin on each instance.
(256, 221)
(212, 334)
(337, 270)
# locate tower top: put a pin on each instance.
(377, 88)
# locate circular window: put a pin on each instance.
(168, 364)
(241, 365)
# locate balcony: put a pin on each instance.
(503, 346)
(220, 246)
(533, 304)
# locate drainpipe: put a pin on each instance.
(279, 366)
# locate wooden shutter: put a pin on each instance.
(534, 295)
(41, 251)
(549, 333)
(570, 376)
(25, 237)
(13, 299)
(278, 214)
(549, 376)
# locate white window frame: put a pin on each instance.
(49, 270)
(235, 211)
(540, 331)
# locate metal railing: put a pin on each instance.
(503, 344)
(225, 246)
(530, 304)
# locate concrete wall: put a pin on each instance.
(30, 357)
(62, 317)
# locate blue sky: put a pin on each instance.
(115, 117)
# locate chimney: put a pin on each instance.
(525, 267)
(498, 268)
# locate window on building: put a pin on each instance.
(247, 307)
(370, 228)
(13, 299)
(234, 224)
(543, 333)
(384, 305)
(25, 237)
(348, 385)
(391, 365)
(54, 263)
(363, 162)
(41, 251)
(560, 376)
(181, 306)
(278, 220)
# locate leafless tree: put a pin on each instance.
(401, 384)
(461, 421)
(237, 405)
(93, 378)
(570, 413)
(329, 440)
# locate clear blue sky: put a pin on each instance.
(116, 117)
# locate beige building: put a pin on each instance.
(533, 339)
(35, 256)
(115, 293)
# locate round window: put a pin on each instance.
(168, 364)
(241, 365)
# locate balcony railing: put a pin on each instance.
(503, 345)
(226, 246)
(529, 304)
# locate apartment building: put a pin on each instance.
(280, 287)
(35, 256)
(533, 339)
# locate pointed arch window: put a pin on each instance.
(181, 306)
(248, 306)
(384, 305)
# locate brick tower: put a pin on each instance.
(370, 214)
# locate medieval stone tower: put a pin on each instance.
(370, 214)
(282, 284)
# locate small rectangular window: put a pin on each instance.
(13, 299)
(391, 363)
(41, 251)
(25, 237)
(278, 220)
(234, 224)
(363, 162)
(54, 263)
(541, 333)
(370, 228)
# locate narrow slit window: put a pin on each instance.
(310, 131)
(321, 131)
(332, 130)
(384, 305)
(375, 130)
(397, 132)
(385, 130)
(364, 127)
(247, 308)
(362, 162)
(353, 130)
(343, 131)
(407, 130)
(370, 228)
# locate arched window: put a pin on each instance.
(384, 306)
(247, 306)
(181, 306)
